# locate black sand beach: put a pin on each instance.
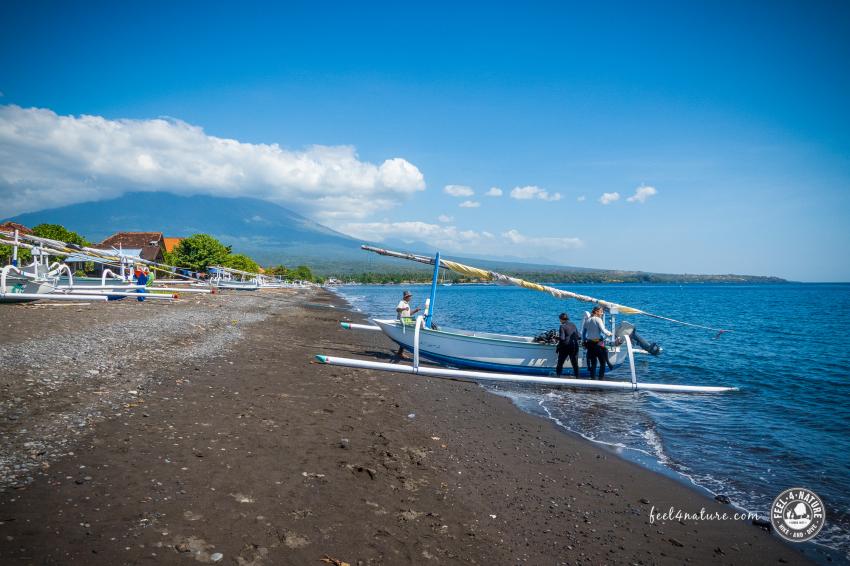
(201, 431)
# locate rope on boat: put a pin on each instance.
(508, 280)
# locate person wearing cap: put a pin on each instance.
(568, 340)
(594, 334)
(403, 311)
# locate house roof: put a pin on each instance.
(12, 226)
(151, 243)
(171, 243)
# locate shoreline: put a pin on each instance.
(817, 552)
(234, 443)
(635, 457)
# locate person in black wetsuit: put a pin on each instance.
(568, 340)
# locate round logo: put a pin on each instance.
(797, 514)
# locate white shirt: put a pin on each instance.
(594, 328)
(402, 308)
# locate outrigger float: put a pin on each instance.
(486, 356)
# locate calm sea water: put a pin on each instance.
(789, 425)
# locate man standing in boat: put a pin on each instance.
(403, 312)
(568, 340)
(594, 334)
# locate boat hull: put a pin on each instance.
(238, 286)
(485, 351)
(24, 287)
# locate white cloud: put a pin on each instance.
(493, 192)
(435, 234)
(454, 239)
(50, 160)
(445, 218)
(458, 190)
(608, 198)
(470, 204)
(582, 198)
(533, 192)
(543, 242)
(642, 193)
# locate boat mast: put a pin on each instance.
(15, 250)
(429, 308)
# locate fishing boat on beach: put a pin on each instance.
(503, 357)
(235, 279)
(483, 350)
(46, 280)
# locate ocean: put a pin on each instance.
(788, 426)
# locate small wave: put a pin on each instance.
(653, 439)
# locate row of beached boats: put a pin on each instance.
(454, 352)
(230, 278)
(50, 277)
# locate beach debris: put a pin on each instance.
(333, 561)
(252, 555)
(216, 557)
(344, 443)
(644, 500)
(294, 540)
(242, 498)
(676, 542)
(492, 516)
(435, 438)
(192, 516)
(762, 524)
(723, 499)
(409, 515)
(411, 416)
(198, 547)
(359, 468)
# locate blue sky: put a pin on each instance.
(736, 114)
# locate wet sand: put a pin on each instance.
(201, 432)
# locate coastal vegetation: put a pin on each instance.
(300, 273)
(200, 251)
(197, 252)
(559, 277)
(52, 231)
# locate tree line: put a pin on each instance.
(562, 277)
(197, 253)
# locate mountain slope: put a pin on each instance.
(182, 216)
(272, 234)
(268, 231)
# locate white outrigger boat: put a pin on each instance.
(42, 280)
(235, 279)
(483, 350)
(501, 357)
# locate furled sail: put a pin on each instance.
(486, 275)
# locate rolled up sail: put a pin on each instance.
(494, 276)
